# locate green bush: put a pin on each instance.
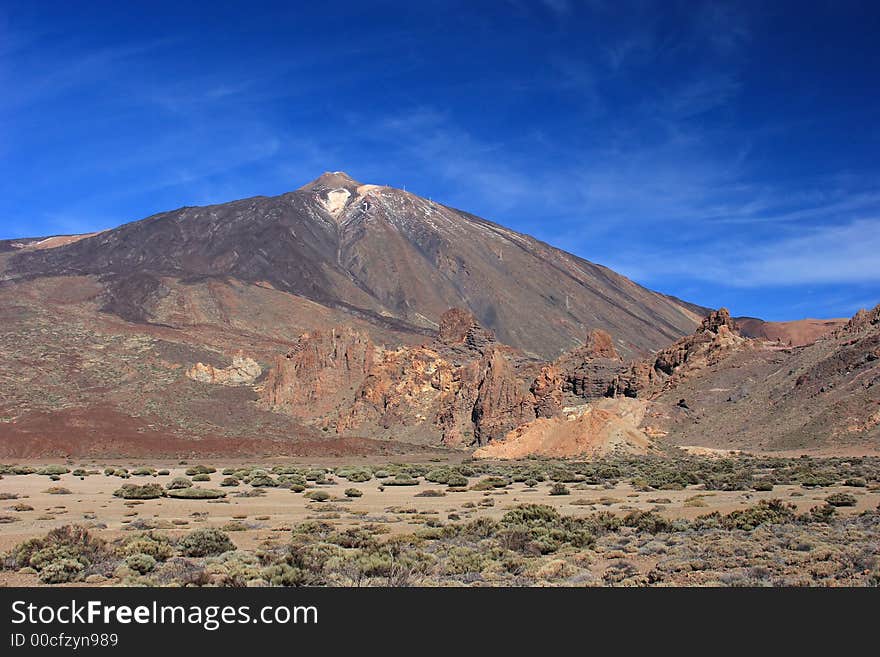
(135, 492)
(262, 480)
(318, 495)
(140, 563)
(353, 492)
(559, 489)
(491, 482)
(764, 512)
(402, 479)
(53, 470)
(155, 545)
(200, 469)
(201, 477)
(61, 571)
(440, 476)
(455, 480)
(205, 543)
(229, 481)
(841, 499)
(60, 556)
(358, 476)
(178, 483)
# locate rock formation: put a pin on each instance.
(308, 379)
(462, 386)
(243, 371)
(590, 371)
(716, 338)
(609, 426)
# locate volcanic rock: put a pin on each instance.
(243, 371)
(609, 426)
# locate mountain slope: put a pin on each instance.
(383, 255)
(760, 395)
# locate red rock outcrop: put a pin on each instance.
(243, 371)
(716, 338)
(547, 390)
(307, 380)
(503, 400)
(609, 426)
(590, 371)
(463, 387)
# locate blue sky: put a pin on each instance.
(724, 153)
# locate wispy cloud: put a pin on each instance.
(823, 255)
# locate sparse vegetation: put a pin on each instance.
(205, 543)
(618, 531)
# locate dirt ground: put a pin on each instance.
(269, 518)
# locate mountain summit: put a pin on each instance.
(383, 255)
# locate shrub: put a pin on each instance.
(205, 543)
(262, 480)
(559, 489)
(155, 545)
(455, 480)
(353, 492)
(135, 492)
(60, 556)
(201, 477)
(491, 482)
(317, 476)
(140, 563)
(764, 512)
(318, 495)
(647, 521)
(57, 490)
(61, 571)
(823, 513)
(856, 482)
(439, 476)
(143, 472)
(402, 479)
(196, 493)
(530, 513)
(841, 499)
(229, 481)
(178, 483)
(53, 470)
(358, 476)
(200, 469)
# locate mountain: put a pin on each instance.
(720, 389)
(346, 319)
(391, 258)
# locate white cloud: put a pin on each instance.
(823, 255)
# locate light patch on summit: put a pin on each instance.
(335, 201)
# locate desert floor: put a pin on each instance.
(268, 519)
